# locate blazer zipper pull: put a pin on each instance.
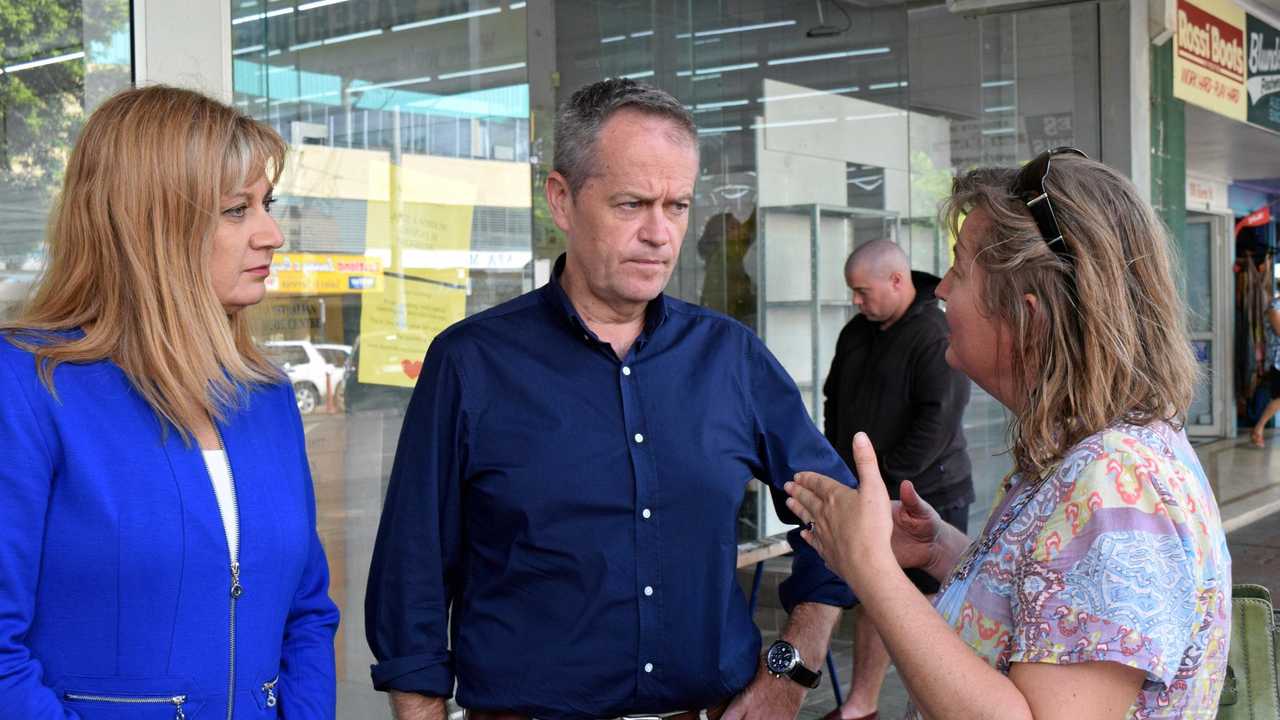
(236, 589)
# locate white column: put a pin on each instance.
(185, 43)
(1140, 97)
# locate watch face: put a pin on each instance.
(781, 658)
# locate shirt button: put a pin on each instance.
(639, 438)
(648, 590)
(626, 370)
(646, 513)
(648, 667)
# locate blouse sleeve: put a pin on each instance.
(1113, 574)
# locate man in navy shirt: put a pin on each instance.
(558, 537)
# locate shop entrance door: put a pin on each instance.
(1206, 263)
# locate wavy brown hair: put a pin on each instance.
(1107, 341)
(129, 243)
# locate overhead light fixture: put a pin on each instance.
(318, 3)
(866, 183)
(704, 107)
(812, 93)
(876, 116)
(334, 40)
(825, 30)
(352, 36)
(45, 61)
(481, 71)
(793, 123)
(392, 84)
(737, 29)
(261, 16)
(978, 8)
(302, 98)
(446, 19)
(719, 130)
(829, 56)
(717, 70)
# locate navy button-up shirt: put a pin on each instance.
(571, 517)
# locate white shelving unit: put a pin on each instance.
(804, 302)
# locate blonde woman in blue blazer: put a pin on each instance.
(157, 533)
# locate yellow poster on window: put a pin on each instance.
(397, 326)
(427, 248)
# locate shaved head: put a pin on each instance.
(879, 275)
(879, 259)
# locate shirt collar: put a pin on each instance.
(655, 313)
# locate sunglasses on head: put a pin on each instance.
(1028, 187)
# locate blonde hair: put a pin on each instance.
(129, 243)
(1107, 340)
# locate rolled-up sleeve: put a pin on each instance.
(414, 574)
(787, 442)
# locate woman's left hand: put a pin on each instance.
(850, 529)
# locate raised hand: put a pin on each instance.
(851, 529)
(917, 528)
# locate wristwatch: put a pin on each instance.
(783, 660)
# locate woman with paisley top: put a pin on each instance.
(1101, 585)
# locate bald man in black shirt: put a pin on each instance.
(890, 379)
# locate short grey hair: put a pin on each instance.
(580, 119)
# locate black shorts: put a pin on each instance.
(1272, 379)
(957, 515)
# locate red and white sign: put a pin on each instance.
(1257, 218)
(1209, 56)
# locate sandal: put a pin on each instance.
(1256, 439)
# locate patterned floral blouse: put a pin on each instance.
(1116, 554)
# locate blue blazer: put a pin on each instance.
(115, 576)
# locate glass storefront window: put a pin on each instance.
(421, 133)
(59, 61)
(817, 137)
(406, 206)
(994, 90)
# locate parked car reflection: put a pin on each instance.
(316, 371)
